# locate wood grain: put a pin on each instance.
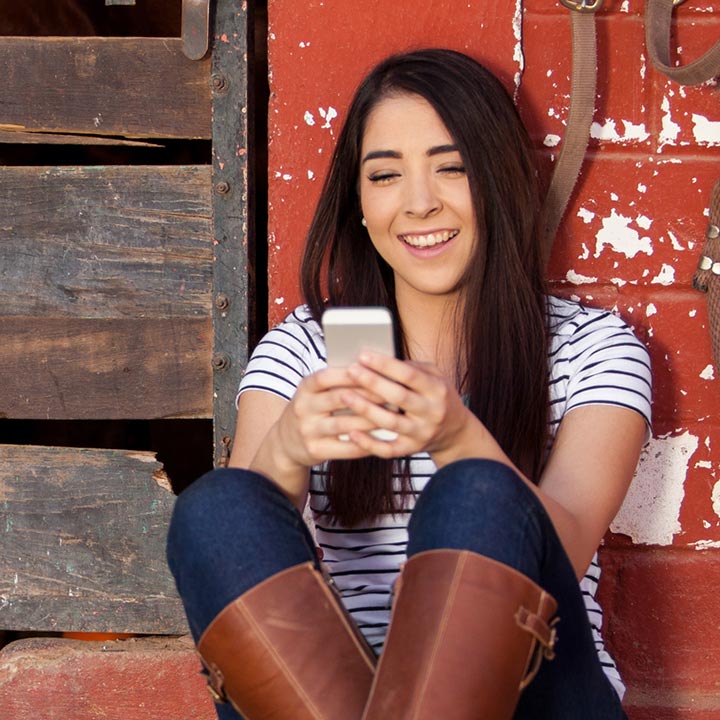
(82, 542)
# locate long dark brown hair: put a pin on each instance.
(502, 320)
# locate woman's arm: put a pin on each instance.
(282, 439)
(587, 475)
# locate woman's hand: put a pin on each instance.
(432, 416)
(316, 426)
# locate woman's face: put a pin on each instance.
(415, 197)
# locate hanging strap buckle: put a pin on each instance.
(583, 6)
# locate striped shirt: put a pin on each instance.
(594, 358)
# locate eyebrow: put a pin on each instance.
(395, 155)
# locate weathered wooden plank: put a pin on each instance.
(82, 542)
(134, 87)
(105, 369)
(106, 241)
(137, 679)
(45, 138)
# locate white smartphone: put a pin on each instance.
(351, 330)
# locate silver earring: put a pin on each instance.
(363, 222)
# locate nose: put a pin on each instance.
(421, 199)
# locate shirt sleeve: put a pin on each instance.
(608, 366)
(288, 353)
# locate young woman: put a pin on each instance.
(521, 421)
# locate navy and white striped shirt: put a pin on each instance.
(594, 358)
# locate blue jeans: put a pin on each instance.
(232, 529)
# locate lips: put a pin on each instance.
(429, 239)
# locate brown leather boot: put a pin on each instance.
(466, 635)
(288, 649)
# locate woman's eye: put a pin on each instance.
(382, 177)
(453, 170)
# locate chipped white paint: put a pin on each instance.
(706, 132)
(518, 55)
(674, 241)
(642, 188)
(666, 276)
(576, 279)
(586, 215)
(328, 116)
(643, 221)
(650, 514)
(692, 313)
(287, 177)
(614, 197)
(706, 525)
(309, 119)
(708, 373)
(548, 73)
(704, 464)
(706, 544)
(650, 310)
(551, 140)
(619, 282)
(625, 7)
(608, 131)
(304, 44)
(585, 252)
(670, 130)
(617, 233)
(311, 175)
(279, 300)
(715, 497)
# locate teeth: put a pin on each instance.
(430, 239)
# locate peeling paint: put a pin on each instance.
(576, 279)
(608, 131)
(674, 241)
(518, 55)
(706, 132)
(708, 373)
(706, 544)
(586, 215)
(650, 514)
(309, 119)
(551, 140)
(279, 300)
(328, 116)
(716, 498)
(643, 221)
(692, 313)
(617, 233)
(666, 276)
(670, 130)
(650, 310)
(642, 188)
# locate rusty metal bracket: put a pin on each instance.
(232, 288)
(196, 28)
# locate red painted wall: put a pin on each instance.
(630, 241)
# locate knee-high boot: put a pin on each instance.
(467, 634)
(287, 649)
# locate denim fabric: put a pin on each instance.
(232, 528)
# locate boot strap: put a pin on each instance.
(215, 682)
(545, 636)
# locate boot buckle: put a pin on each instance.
(215, 683)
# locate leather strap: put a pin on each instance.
(580, 115)
(658, 25)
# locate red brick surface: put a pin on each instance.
(142, 679)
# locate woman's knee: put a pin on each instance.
(473, 485)
(225, 499)
(479, 505)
